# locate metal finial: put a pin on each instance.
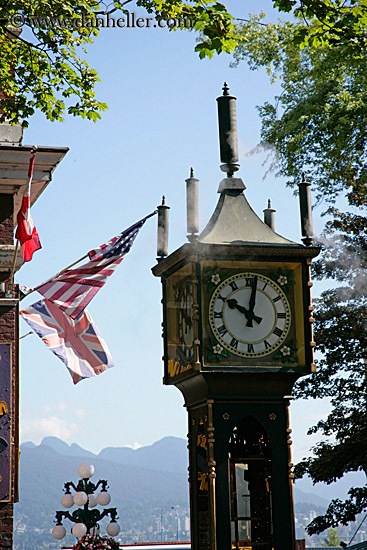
(269, 216)
(192, 206)
(306, 210)
(162, 234)
(228, 141)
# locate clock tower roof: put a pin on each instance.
(234, 221)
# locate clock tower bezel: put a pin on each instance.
(294, 342)
(255, 338)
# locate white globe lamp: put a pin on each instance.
(92, 500)
(86, 470)
(80, 498)
(113, 529)
(103, 498)
(67, 500)
(58, 532)
(79, 530)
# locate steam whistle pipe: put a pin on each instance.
(228, 141)
(269, 216)
(162, 234)
(192, 205)
(306, 210)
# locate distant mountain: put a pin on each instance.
(28, 444)
(139, 493)
(339, 489)
(309, 498)
(143, 482)
(64, 449)
(167, 455)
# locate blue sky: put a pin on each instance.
(162, 120)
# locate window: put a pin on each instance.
(251, 487)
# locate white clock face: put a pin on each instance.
(249, 315)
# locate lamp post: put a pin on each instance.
(174, 508)
(85, 519)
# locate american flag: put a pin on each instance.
(73, 289)
(78, 343)
(26, 233)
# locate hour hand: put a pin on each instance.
(233, 304)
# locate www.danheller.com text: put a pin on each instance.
(128, 20)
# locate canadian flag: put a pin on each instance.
(26, 232)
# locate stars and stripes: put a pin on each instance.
(77, 343)
(26, 232)
(73, 289)
(62, 321)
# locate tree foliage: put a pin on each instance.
(43, 67)
(332, 539)
(341, 336)
(318, 124)
(329, 23)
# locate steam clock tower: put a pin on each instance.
(237, 327)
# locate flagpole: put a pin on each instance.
(30, 175)
(11, 278)
(26, 334)
(76, 262)
(57, 275)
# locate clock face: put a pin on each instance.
(249, 315)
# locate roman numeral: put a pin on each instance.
(250, 348)
(234, 343)
(276, 299)
(249, 282)
(233, 285)
(281, 315)
(277, 331)
(222, 330)
(218, 315)
(265, 285)
(267, 345)
(221, 298)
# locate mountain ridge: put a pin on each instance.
(168, 454)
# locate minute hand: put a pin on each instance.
(251, 304)
(233, 304)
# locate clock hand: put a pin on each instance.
(252, 303)
(253, 294)
(233, 304)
